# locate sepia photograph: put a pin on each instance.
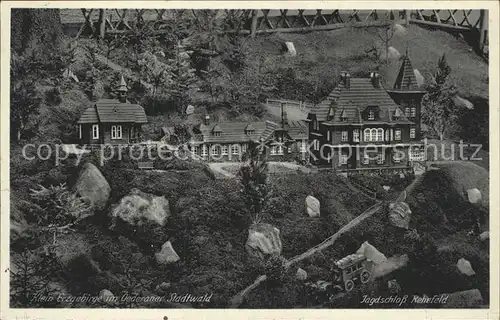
(248, 158)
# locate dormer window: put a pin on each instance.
(397, 114)
(343, 116)
(250, 132)
(371, 114)
(217, 133)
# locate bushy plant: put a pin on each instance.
(275, 268)
(58, 206)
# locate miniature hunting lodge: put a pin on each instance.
(362, 125)
(228, 141)
(112, 121)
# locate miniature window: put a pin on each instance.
(355, 135)
(116, 132)
(413, 112)
(250, 132)
(371, 115)
(215, 150)
(343, 159)
(397, 157)
(380, 134)
(380, 158)
(412, 133)
(407, 111)
(217, 133)
(204, 151)
(366, 159)
(224, 150)
(195, 149)
(367, 135)
(95, 131)
(235, 149)
(344, 136)
(397, 134)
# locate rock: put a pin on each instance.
(393, 54)
(386, 188)
(68, 74)
(393, 286)
(167, 255)
(484, 236)
(474, 195)
(399, 30)
(461, 102)
(107, 297)
(371, 253)
(164, 286)
(312, 206)
(419, 77)
(263, 240)
(465, 267)
(290, 49)
(464, 299)
(399, 214)
(301, 274)
(190, 109)
(92, 185)
(138, 207)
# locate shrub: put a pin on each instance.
(275, 268)
(56, 205)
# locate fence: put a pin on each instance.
(262, 21)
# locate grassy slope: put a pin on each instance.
(322, 55)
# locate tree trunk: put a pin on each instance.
(102, 23)
(33, 28)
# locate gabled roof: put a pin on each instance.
(351, 103)
(113, 111)
(406, 79)
(237, 132)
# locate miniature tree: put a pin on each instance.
(253, 175)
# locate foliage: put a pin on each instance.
(439, 110)
(31, 278)
(24, 100)
(275, 268)
(254, 181)
(58, 206)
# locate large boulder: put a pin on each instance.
(465, 267)
(139, 207)
(92, 185)
(312, 206)
(167, 255)
(399, 30)
(107, 297)
(419, 77)
(399, 214)
(464, 299)
(474, 195)
(290, 50)
(461, 102)
(301, 274)
(263, 240)
(484, 236)
(371, 253)
(392, 54)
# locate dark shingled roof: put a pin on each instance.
(114, 111)
(406, 79)
(236, 132)
(353, 101)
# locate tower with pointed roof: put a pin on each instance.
(122, 91)
(407, 93)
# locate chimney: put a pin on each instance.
(346, 79)
(375, 78)
(207, 120)
(122, 91)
